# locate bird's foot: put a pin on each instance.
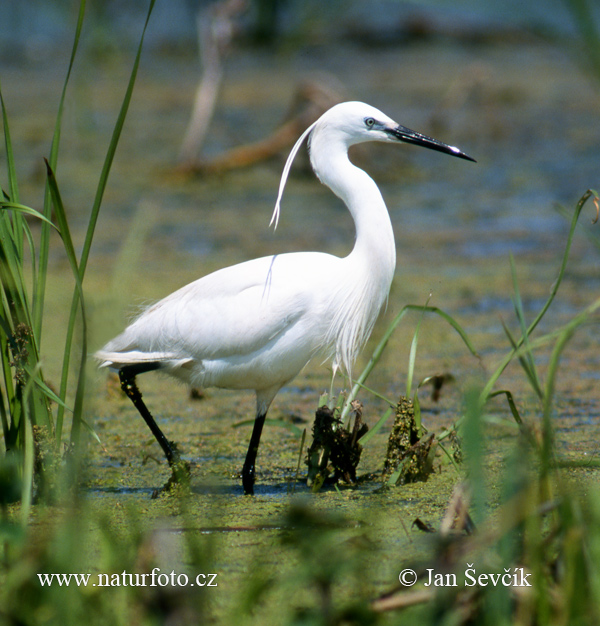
(179, 479)
(248, 481)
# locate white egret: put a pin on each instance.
(255, 325)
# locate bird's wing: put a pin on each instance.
(235, 311)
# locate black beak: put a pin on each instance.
(410, 136)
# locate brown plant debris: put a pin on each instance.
(457, 519)
(438, 381)
(335, 450)
(426, 527)
(20, 340)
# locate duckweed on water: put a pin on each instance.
(334, 557)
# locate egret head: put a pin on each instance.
(357, 122)
(349, 123)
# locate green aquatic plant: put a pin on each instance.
(32, 413)
(521, 349)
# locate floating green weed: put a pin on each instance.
(527, 331)
(521, 349)
(379, 349)
(530, 518)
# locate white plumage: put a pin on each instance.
(255, 325)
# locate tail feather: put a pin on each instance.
(117, 360)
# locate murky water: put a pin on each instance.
(526, 113)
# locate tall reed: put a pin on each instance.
(32, 415)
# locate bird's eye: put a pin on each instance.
(369, 122)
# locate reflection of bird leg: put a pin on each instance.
(127, 376)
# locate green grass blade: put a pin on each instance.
(594, 237)
(63, 225)
(43, 387)
(376, 394)
(28, 471)
(564, 337)
(450, 457)
(412, 356)
(11, 225)
(375, 429)
(91, 431)
(417, 414)
(527, 361)
(44, 245)
(4, 406)
(58, 124)
(28, 235)
(393, 479)
(111, 150)
(509, 357)
(544, 340)
(65, 235)
(509, 335)
(385, 339)
(511, 403)
(10, 161)
(457, 327)
(92, 226)
(522, 360)
(21, 208)
(14, 300)
(373, 361)
(8, 382)
(472, 437)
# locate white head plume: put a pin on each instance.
(285, 173)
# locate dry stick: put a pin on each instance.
(510, 515)
(246, 155)
(402, 601)
(215, 32)
(312, 98)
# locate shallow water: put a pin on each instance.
(530, 118)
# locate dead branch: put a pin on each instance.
(216, 29)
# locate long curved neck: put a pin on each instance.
(374, 243)
(369, 269)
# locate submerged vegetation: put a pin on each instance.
(510, 541)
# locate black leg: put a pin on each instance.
(248, 470)
(127, 376)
